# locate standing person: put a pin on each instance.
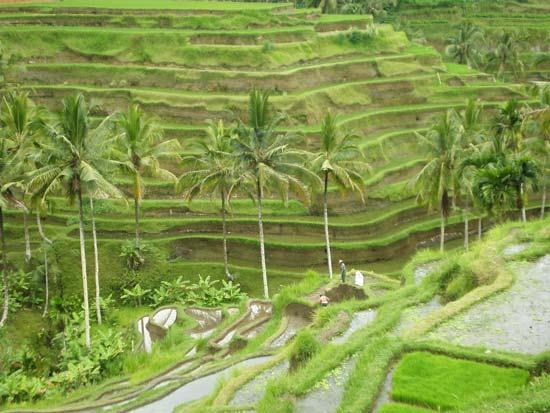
(342, 271)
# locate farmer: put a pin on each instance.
(342, 271)
(324, 300)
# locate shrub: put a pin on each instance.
(136, 295)
(460, 285)
(304, 348)
(134, 254)
(267, 47)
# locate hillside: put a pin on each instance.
(187, 65)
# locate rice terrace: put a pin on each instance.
(318, 206)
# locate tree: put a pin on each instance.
(524, 174)
(212, 170)
(464, 47)
(20, 120)
(341, 159)
(268, 160)
(434, 182)
(141, 149)
(508, 125)
(469, 120)
(492, 186)
(505, 56)
(72, 159)
(539, 146)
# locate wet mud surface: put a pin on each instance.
(253, 391)
(517, 319)
(327, 395)
(359, 320)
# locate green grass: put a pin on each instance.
(159, 4)
(402, 408)
(444, 383)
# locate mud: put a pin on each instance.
(515, 249)
(248, 325)
(517, 319)
(196, 389)
(207, 319)
(385, 393)
(422, 271)
(344, 292)
(411, 316)
(327, 395)
(253, 391)
(358, 321)
(298, 316)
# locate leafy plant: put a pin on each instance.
(304, 348)
(134, 254)
(136, 295)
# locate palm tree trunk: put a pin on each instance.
(96, 263)
(543, 201)
(442, 233)
(224, 228)
(466, 228)
(522, 204)
(4, 271)
(262, 246)
(84, 271)
(327, 235)
(136, 209)
(47, 281)
(479, 228)
(28, 253)
(45, 243)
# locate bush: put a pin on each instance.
(134, 254)
(304, 348)
(460, 285)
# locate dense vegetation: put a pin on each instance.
(192, 155)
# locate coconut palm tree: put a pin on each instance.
(268, 160)
(505, 56)
(493, 189)
(470, 121)
(212, 170)
(142, 147)
(438, 179)
(508, 123)
(524, 175)
(340, 159)
(464, 48)
(73, 161)
(20, 120)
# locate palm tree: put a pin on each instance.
(443, 143)
(46, 244)
(73, 161)
(212, 170)
(469, 120)
(268, 160)
(341, 159)
(141, 148)
(20, 120)
(539, 147)
(524, 174)
(508, 125)
(505, 56)
(464, 47)
(493, 189)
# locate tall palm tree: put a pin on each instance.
(142, 147)
(470, 121)
(73, 162)
(46, 244)
(493, 188)
(508, 125)
(341, 159)
(212, 170)
(20, 120)
(524, 174)
(505, 56)
(268, 160)
(539, 147)
(437, 179)
(464, 48)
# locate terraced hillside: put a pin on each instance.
(189, 62)
(528, 21)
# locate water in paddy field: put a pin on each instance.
(412, 315)
(253, 391)
(196, 389)
(327, 395)
(385, 393)
(517, 319)
(359, 320)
